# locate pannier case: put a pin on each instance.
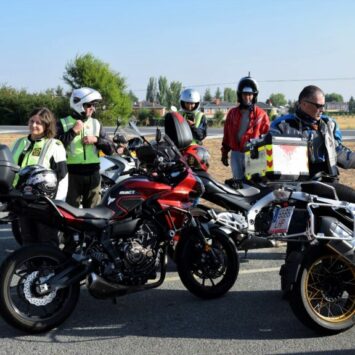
(8, 169)
(178, 130)
(273, 157)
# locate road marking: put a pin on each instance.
(253, 271)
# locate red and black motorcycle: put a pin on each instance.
(118, 247)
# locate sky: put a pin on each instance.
(284, 44)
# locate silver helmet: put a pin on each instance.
(37, 180)
(192, 96)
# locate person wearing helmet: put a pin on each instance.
(190, 103)
(244, 122)
(83, 137)
(42, 151)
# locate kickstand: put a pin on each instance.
(114, 300)
(245, 259)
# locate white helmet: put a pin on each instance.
(82, 96)
(192, 96)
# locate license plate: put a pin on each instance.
(281, 220)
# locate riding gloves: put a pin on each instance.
(224, 160)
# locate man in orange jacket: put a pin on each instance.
(244, 122)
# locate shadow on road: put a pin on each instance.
(254, 315)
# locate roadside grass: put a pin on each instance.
(344, 121)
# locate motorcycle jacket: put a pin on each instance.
(259, 124)
(82, 158)
(49, 153)
(325, 148)
(199, 130)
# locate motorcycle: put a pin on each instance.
(319, 271)
(118, 247)
(112, 166)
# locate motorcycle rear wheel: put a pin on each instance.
(21, 305)
(323, 297)
(208, 271)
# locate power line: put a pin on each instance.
(265, 81)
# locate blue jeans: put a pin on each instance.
(237, 164)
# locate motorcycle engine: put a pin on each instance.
(139, 255)
(263, 220)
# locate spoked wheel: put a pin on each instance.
(25, 304)
(324, 295)
(210, 270)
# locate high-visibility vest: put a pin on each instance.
(198, 118)
(77, 152)
(40, 154)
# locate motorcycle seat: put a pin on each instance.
(246, 191)
(99, 212)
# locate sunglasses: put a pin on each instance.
(90, 104)
(318, 106)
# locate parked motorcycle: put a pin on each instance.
(112, 166)
(118, 247)
(319, 272)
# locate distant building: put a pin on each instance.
(210, 108)
(337, 106)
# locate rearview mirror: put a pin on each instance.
(158, 135)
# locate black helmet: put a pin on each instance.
(37, 180)
(247, 84)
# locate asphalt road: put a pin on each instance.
(251, 318)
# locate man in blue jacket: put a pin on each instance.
(326, 151)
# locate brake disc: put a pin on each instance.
(33, 299)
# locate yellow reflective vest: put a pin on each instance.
(77, 152)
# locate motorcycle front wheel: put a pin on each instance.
(16, 230)
(323, 297)
(22, 304)
(208, 270)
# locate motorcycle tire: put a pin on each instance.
(21, 305)
(208, 271)
(16, 230)
(323, 297)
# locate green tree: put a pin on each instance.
(229, 95)
(218, 117)
(277, 100)
(132, 96)
(351, 105)
(16, 105)
(292, 105)
(207, 96)
(218, 94)
(333, 97)
(152, 90)
(174, 94)
(164, 91)
(86, 70)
